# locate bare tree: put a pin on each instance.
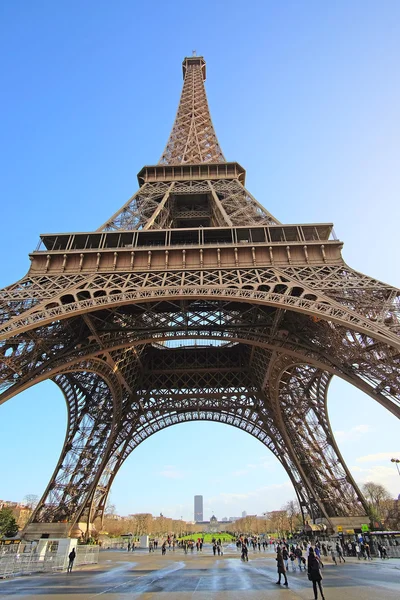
(110, 509)
(161, 525)
(293, 513)
(378, 499)
(144, 523)
(250, 525)
(375, 493)
(278, 522)
(113, 526)
(31, 500)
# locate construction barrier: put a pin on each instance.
(27, 561)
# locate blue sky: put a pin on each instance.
(306, 96)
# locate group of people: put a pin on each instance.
(169, 541)
(313, 564)
(360, 549)
(217, 547)
(191, 545)
(382, 551)
(335, 551)
(255, 542)
(187, 545)
(312, 558)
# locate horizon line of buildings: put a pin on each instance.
(22, 512)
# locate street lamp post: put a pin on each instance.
(396, 461)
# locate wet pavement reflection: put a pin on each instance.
(121, 575)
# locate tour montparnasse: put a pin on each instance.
(194, 303)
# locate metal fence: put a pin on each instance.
(114, 544)
(87, 555)
(393, 551)
(14, 564)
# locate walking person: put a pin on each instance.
(292, 561)
(314, 573)
(368, 551)
(280, 567)
(71, 557)
(317, 553)
(299, 555)
(245, 553)
(358, 551)
(363, 553)
(349, 549)
(285, 556)
(332, 551)
(340, 552)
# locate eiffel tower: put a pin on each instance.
(194, 303)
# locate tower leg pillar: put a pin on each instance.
(299, 393)
(93, 407)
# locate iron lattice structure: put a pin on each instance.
(193, 303)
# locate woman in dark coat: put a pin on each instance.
(280, 566)
(314, 573)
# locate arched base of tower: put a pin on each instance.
(344, 524)
(37, 531)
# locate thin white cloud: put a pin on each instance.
(230, 498)
(267, 497)
(262, 464)
(171, 472)
(387, 476)
(276, 486)
(378, 457)
(240, 472)
(353, 434)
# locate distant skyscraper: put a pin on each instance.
(244, 514)
(198, 508)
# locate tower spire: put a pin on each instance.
(215, 195)
(192, 139)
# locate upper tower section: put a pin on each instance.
(193, 139)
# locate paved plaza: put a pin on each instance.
(121, 576)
